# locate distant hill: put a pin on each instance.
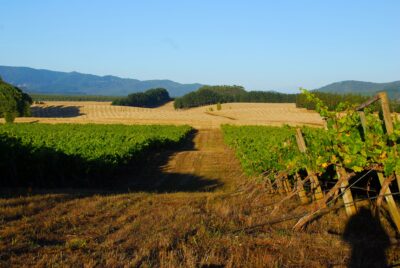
(74, 83)
(363, 88)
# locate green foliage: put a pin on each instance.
(343, 144)
(219, 106)
(331, 100)
(150, 98)
(13, 102)
(261, 149)
(10, 116)
(222, 94)
(76, 155)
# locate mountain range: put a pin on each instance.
(363, 88)
(74, 83)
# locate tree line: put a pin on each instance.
(221, 94)
(207, 95)
(151, 98)
(39, 98)
(13, 102)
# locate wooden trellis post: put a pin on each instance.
(393, 210)
(315, 186)
(287, 185)
(382, 96)
(302, 193)
(347, 196)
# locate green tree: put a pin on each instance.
(151, 98)
(13, 102)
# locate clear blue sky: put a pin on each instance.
(262, 45)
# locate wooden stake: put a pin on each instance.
(314, 212)
(300, 141)
(287, 185)
(393, 210)
(386, 112)
(315, 186)
(347, 196)
(363, 120)
(280, 186)
(302, 193)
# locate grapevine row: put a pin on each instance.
(351, 143)
(76, 155)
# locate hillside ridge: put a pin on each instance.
(75, 83)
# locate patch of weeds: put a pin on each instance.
(283, 232)
(76, 243)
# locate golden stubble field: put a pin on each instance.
(200, 117)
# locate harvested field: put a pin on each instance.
(229, 223)
(200, 117)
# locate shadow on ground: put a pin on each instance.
(152, 178)
(368, 240)
(56, 111)
(53, 172)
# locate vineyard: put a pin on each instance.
(42, 155)
(356, 150)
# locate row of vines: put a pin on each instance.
(43, 155)
(352, 144)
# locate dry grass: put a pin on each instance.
(200, 117)
(181, 229)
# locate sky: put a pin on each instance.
(261, 45)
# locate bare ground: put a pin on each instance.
(219, 223)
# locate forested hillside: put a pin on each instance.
(75, 83)
(363, 88)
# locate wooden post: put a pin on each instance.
(280, 186)
(393, 210)
(287, 185)
(386, 112)
(300, 141)
(388, 121)
(315, 186)
(302, 193)
(363, 120)
(347, 196)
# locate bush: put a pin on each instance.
(150, 98)
(10, 117)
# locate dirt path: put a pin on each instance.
(209, 159)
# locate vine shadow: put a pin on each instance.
(27, 170)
